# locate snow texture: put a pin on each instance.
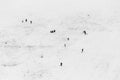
(76, 45)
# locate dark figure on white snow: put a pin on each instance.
(30, 22)
(53, 31)
(84, 32)
(25, 20)
(82, 50)
(61, 64)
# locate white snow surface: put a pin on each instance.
(100, 59)
(30, 52)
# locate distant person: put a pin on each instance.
(53, 31)
(82, 50)
(61, 64)
(84, 32)
(68, 39)
(25, 20)
(30, 22)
